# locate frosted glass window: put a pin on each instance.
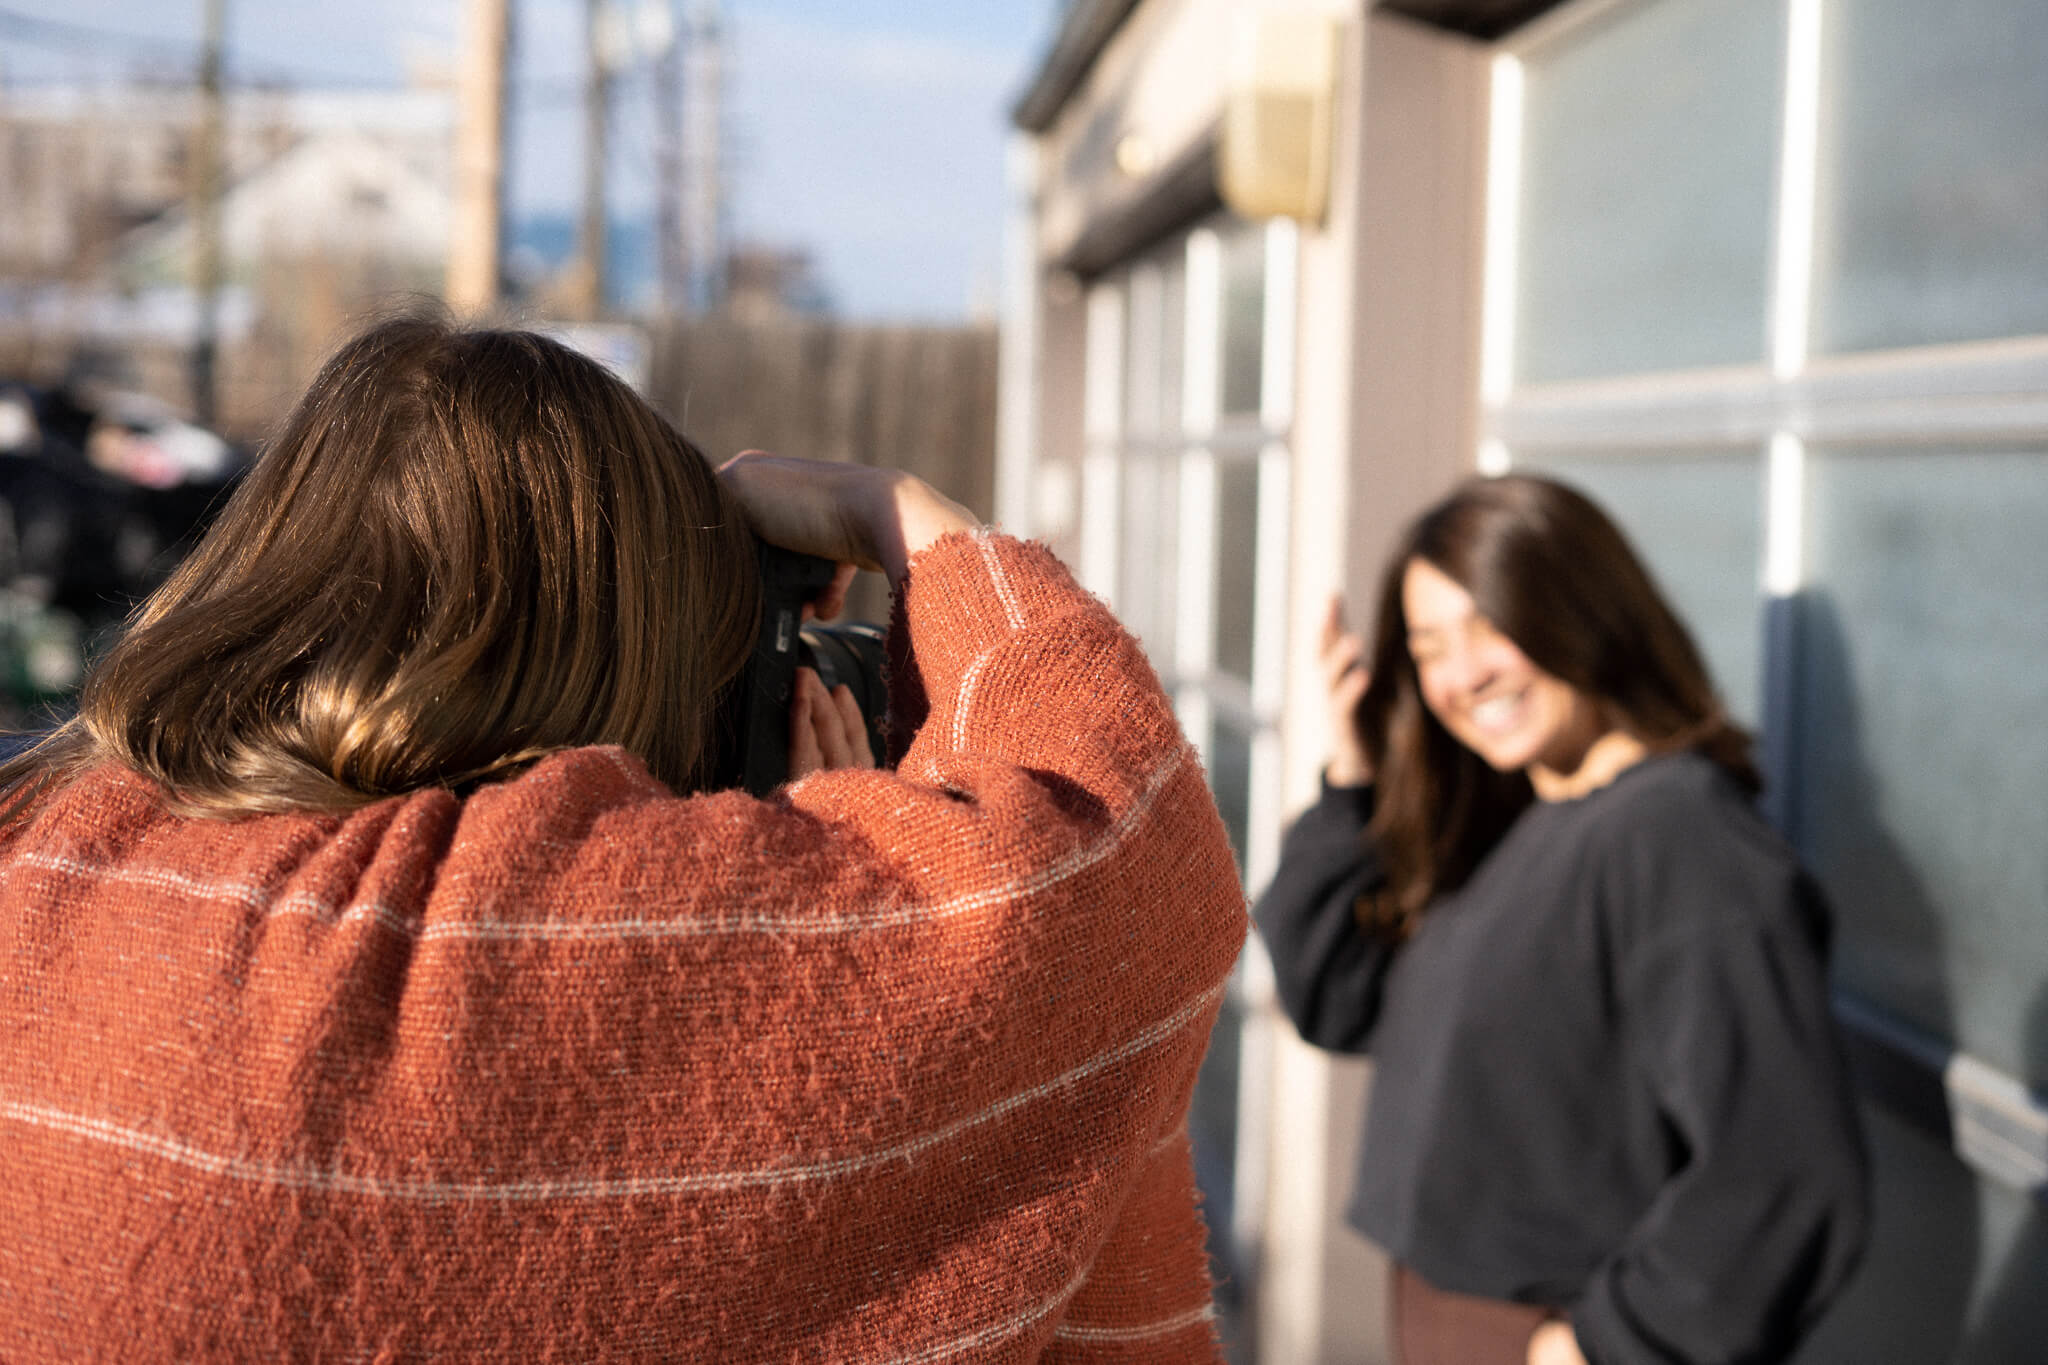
(1649, 166)
(1696, 519)
(1145, 577)
(1153, 348)
(1237, 527)
(1924, 760)
(1933, 193)
(1173, 295)
(1212, 1133)
(1230, 779)
(1244, 320)
(1142, 353)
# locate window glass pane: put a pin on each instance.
(1924, 761)
(1649, 167)
(1230, 778)
(1213, 1117)
(1933, 190)
(1144, 353)
(1154, 345)
(1151, 491)
(1212, 1132)
(1696, 519)
(1173, 292)
(1243, 320)
(1237, 524)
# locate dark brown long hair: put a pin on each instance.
(1557, 577)
(464, 549)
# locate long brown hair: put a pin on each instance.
(1548, 568)
(464, 549)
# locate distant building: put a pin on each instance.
(340, 195)
(763, 283)
(94, 231)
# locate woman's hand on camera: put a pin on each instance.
(1341, 653)
(855, 514)
(825, 728)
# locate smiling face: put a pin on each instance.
(1480, 686)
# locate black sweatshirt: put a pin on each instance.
(1606, 1078)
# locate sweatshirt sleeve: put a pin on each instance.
(1327, 968)
(1764, 1219)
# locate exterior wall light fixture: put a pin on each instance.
(1278, 115)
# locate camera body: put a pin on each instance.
(754, 736)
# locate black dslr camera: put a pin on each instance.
(754, 745)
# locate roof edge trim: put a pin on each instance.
(1086, 30)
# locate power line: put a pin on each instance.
(65, 35)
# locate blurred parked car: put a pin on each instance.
(101, 491)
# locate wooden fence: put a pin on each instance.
(921, 399)
(916, 398)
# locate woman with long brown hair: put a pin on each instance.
(1609, 1121)
(382, 979)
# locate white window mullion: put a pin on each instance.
(1270, 579)
(1277, 326)
(1798, 163)
(1194, 626)
(1194, 629)
(1202, 335)
(1102, 427)
(1784, 569)
(1269, 585)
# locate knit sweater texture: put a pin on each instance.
(891, 1067)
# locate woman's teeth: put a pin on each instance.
(1497, 713)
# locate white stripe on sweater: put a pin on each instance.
(303, 1177)
(300, 904)
(993, 1332)
(889, 916)
(1179, 1322)
(1030, 1317)
(1000, 579)
(964, 698)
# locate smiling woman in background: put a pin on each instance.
(1609, 1120)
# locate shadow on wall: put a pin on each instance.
(1911, 1298)
(2013, 1325)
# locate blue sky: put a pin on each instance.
(870, 133)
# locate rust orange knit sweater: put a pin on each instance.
(890, 1068)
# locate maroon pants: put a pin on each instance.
(1432, 1327)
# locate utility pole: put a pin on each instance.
(672, 251)
(589, 285)
(477, 242)
(703, 126)
(205, 215)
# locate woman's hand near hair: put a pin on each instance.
(854, 514)
(1554, 1343)
(1341, 654)
(826, 730)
